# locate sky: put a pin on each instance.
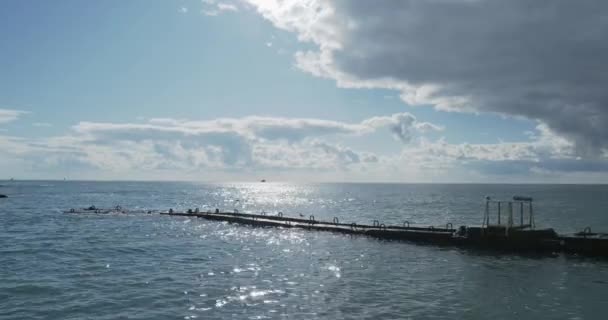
(450, 91)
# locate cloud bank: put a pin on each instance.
(241, 143)
(292, 148)
(247, 144)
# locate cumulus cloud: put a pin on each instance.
(402, 125)
(542, 60)
(8, 115)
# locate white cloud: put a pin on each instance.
(226, 7)
(210, 12)
(545, 150)
(42, 124)
(213, 8)
(7, 115)
(403, 125)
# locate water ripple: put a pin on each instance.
(65, 266)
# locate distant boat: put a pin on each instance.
(3, 196)
(263, 180)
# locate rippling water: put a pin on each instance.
(138, 266)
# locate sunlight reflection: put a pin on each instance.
(267, 195)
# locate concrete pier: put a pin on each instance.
(505, 237)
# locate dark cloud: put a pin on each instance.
(543, 60)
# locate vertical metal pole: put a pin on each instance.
(521, 214)
(498, 212)
(532, 223)
(486, 218)
(485, 215)
(510, 222)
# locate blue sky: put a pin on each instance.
(80, 78)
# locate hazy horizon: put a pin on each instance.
(301, 182)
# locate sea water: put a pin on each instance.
(55, 265)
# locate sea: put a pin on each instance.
(56, 265)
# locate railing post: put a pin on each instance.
(510, 219)
(498, 213)
(532, 223)
(510, 222)
(521, 214)
(486, 217)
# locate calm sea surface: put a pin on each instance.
(138, 266)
